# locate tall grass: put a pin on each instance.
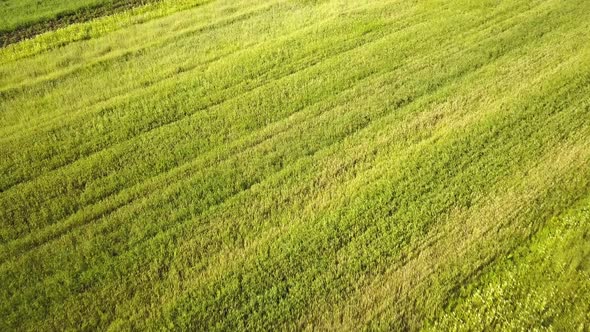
(283, 164)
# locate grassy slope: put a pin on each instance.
(280, 164)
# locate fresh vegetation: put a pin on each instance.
(296, 164)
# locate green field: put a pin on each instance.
(215, 165)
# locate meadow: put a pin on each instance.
(215, 165)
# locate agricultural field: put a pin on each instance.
(270, 165)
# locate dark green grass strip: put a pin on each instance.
(85, 14)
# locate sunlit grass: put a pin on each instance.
(274, 164)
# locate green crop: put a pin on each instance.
(290, 164)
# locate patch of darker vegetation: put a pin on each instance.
(64, 19)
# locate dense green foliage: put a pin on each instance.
(289, 164)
